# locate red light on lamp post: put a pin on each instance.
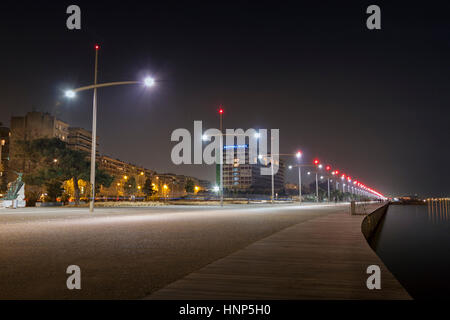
(221, 155)
(328, 168)
(97, 47)
(316, 161)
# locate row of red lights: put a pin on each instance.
(349, 179)
(335, 172)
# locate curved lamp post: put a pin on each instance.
(148, 82)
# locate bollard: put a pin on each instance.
(352, 208)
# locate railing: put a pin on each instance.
(365, 207)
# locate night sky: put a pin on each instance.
(373, 104)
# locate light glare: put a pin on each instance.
(148, 82)
(70, 94)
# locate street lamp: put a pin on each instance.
(148, 82)
(336, 173)
(317, 163)
(261, 156)
(298, 155)
(343, 182)
(70, 94)
(328, 168)
(349, 179)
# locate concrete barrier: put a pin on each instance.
(371, 221)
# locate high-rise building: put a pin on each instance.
(38, 125)
(246, 176)
(80, 139)
(34, 125)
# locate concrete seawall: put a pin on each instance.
(371, 222)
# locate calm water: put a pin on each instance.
(414, 243)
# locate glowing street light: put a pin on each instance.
(70, 94)
(272, 163)
(336, 173)
(318, 165)
(328, 168)
(221, 154)
(298, 155)
(149, 82)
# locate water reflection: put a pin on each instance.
(438, 209)
(413, 241)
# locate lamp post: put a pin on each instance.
(261, 156)
(221, 155)
(299, 156)
(148, 82)
(328, 168)
(299, 166)
(334, 174)
(94, 133)
(349, 185)
(318, 166)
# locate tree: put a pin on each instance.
(54, 189)
(130, 186)
(102, 178)
(148, 188)
(51, 160)
(189, 186)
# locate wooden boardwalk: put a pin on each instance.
(322, 258)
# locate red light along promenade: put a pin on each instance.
(321, 258)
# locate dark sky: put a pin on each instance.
(374, 104)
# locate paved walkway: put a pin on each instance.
(322, 258)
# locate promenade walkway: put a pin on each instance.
(321, 258)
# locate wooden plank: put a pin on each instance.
(322, 258)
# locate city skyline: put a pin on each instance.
(264, 74)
